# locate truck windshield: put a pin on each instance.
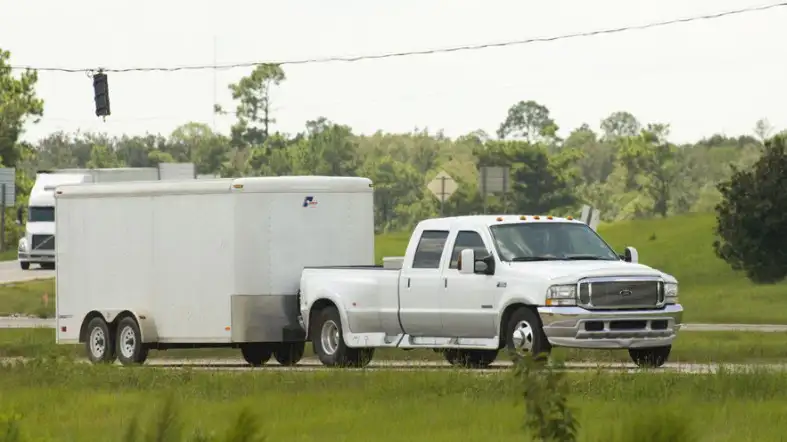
(550, 241)
(41, 214)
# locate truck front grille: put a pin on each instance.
(621, 293)
(43, 242)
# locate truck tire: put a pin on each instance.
(471, 358)
(289, 353)
(256, 353)
(651, 357)
(524, 335)
(100, 344)
(130, 348)
(328, 342)
(24, 265)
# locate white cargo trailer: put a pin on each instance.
(201, 263)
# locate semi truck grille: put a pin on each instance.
(43, 242)
(621, 293)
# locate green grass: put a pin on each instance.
(8, 255)
(67, 402)
(701, 347)
(710, 291)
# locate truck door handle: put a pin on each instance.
(408, 283)
(445, 282)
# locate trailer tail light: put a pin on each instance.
(63, 329)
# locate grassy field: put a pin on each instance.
(710, 290)
(8, 255)
(682, 246)
(702, 347)
(56, 401)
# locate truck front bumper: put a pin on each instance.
(580, 328)
(35, 258)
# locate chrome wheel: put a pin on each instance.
(522, 337)
(329, 337)
(128, 342)
(98, 343)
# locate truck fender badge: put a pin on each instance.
(502, 284)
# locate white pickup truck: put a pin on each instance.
(471, 286)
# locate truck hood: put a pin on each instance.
(569, 272)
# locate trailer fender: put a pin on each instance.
(147, 325)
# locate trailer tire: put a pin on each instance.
(289, 353)
(256, 353)
(130, 348)
(328, 342)
(24, 265)
(100, 343)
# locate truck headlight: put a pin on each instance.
(561, 295)
(670, 293)
(22, 245)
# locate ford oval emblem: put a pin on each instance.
(625, 292)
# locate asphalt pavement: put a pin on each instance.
(11, 272)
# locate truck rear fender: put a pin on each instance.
(147, 325)
(326, 298)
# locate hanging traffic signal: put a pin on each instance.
(101, 93)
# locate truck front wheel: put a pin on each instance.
(24, 265)
(651, 357)
(256, 353)
(100, 344)
(289, 353)
(328, 342)
(130, 349)
(524, 335)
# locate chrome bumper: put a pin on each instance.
(36, 257)
(580, 328)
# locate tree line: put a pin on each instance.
(622, 166)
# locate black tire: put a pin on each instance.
(535, 341)
(24, 265)
(651, 357)
(471, 358)
(289, 353)
(130, 348)
(100, 342)
(256, 353)
(332, 351)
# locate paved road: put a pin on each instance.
(11, 272)
(23, 322)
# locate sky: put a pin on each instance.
(714, 76)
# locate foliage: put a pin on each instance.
(752, 217)
(546, 390)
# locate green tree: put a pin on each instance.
(752, 216)
(529, 120)
(18, 104)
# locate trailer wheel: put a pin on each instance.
(100, 343)
(256, 353)
(24, 265)
(130, 349)
(328, 342)
(289, 353)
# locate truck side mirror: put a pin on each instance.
(466, 256)
(485, 265)
(631, 255)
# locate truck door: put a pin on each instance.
(468, 301)
(421, 286)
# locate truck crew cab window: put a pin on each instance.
(430, 249)
(467, 240)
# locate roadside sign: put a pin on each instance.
(7, 182)
(442, 186)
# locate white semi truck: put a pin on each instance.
(37, 246)
(201, 263)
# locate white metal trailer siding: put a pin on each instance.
(205, 261)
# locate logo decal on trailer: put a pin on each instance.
(309, 202)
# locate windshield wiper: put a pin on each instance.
(535, 258)
(587, 258)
